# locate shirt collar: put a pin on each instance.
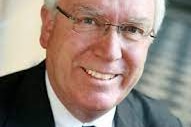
(63, 118)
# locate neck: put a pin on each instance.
(85, 115)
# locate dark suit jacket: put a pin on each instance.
(24, 103)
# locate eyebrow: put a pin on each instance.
(138, 20)
(95, 11)
(142, 21)
(87, 9)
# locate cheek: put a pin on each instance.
(138, 54)
(65, 44)
(135, 57)
(76, 43)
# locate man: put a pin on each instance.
(95, 54)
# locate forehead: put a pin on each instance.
(114, 8)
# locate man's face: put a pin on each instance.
(91, 72)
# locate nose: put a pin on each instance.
(108, 46)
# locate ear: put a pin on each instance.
(47, 26)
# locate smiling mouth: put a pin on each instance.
(98, 75)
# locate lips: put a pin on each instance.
(99, 75)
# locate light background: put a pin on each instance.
(19, 34)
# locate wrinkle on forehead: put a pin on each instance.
(88, 9)
(101, 7)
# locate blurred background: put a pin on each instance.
(20, 26)
(167, 74)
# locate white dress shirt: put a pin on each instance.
(63, 118)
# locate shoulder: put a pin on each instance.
(12, 84)
(8, 85)
(151, 112)
(24, 100)
(13, 79)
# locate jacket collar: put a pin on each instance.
(126, 114)
(29, 104)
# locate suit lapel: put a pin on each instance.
(126, 115)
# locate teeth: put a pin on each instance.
(99, 75)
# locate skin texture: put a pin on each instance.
(69, 53)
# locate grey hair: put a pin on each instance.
(50, 4)
(159, 11)
(159, 14)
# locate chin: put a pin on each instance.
(99, 103)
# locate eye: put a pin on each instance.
(88, 21)
(131, 29)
